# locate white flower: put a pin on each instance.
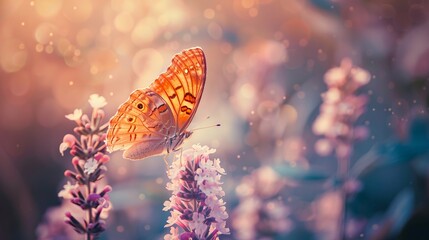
(175, 169)
(207, 165)
(208, 178)
(202, 150)
(207, 187)
(97, 101)
(173, 186)
(75, 116)
(174, 234)
(90, 166)
(169, 203)
(197, 223)
(217, 166)
(221, 227)
(66, 191)
(63, 146)
(212, 200)
(172, 219)
(218, 211)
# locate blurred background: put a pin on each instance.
(266, 65)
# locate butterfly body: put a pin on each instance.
(154, 120)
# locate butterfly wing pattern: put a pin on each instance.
(154, 120)
(182, 85)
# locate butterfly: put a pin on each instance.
(154, 120)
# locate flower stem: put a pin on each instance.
(343, 217)
(89, 210)
(88, 186)
(342, 221)
(343, 174)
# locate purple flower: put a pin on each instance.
(88, 149)
(196, 205)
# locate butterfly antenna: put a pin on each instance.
(199, 128)
(216, 125)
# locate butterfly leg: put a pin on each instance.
(181, 151)
(166, 161)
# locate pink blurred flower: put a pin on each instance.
(260, 213)
(196, 205)
(340, 109)
(328, 209)
(323, 147)
(335, 77)
(351, 186)
(360, 76)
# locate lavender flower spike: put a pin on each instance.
(196, 204)
(342, 106)
(88, 149)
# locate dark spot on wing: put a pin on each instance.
(190, 98)
(186, 110)
(162, 108)
(132, 128)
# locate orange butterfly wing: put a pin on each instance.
(145, 122)
(182, 85)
